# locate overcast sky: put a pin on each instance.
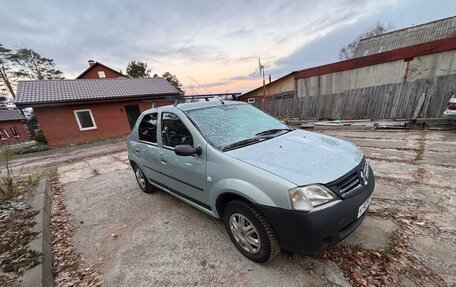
(215, 42)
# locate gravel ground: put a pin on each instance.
(139, 239)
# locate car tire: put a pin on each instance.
(259, 243)
(143, 183)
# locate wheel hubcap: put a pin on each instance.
(140, 178)
(245, 233)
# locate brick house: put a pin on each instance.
(85, 110)
(97, 70)
(12, 129)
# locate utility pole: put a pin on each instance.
(264, 84)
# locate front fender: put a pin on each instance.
(241, 188)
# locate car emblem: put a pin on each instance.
(364, 177)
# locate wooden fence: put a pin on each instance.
(408, 100)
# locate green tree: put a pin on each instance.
(7, 76)
(172, 79)
(137, 69)
(32, 65)
(348, 51)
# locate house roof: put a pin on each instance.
(427, 32)
(68, 91)
(244, 95)
(11, 115)
(94, 65)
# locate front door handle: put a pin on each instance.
(137, 150)
(164, 161)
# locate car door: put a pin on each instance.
(185, 175)
(147, 149)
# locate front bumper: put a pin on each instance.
(307, 232)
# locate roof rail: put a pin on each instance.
(207, 97)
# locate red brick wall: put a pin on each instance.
(19, 125)
(93, 73)
(60, 127)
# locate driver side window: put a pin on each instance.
(174, 132)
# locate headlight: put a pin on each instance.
(305, 198)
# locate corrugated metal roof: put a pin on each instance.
(58, 91)
(410, 36)
(10, 115)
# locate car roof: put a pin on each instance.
(195, 105)
(206, 104)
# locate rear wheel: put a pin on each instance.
(250, 232)
(142, 181)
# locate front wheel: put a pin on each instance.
(250, 232)
(142, 181)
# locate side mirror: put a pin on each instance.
(187, 150)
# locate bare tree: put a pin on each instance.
(7, 77)
(172, 79)
(348, 51)
(34, 66)
(24, 64)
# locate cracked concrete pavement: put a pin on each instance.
(154, 239)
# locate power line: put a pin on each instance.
(253, 73)
(201, 86)
(199, 28)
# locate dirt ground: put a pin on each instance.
(139, 239)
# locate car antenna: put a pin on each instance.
(201, 86)
(218, 98)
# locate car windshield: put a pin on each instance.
(227, 124)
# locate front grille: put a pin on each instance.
(349, 184)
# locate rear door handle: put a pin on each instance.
(137, 150)
(164, 161)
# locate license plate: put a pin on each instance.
(364, 206)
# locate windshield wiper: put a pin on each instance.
(244, 142)
(272, 131)
(264, 135)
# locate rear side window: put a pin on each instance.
(174, 132)
(148, 128)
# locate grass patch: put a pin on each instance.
(32, 149)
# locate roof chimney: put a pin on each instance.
(91, 63)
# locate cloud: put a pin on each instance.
(239, 78)
(219, 48)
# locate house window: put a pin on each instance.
(148, 128)
(101, 74)
(14, 131)
(85, 119)
(3, 134)
(251, 100)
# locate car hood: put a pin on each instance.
(302, 157)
